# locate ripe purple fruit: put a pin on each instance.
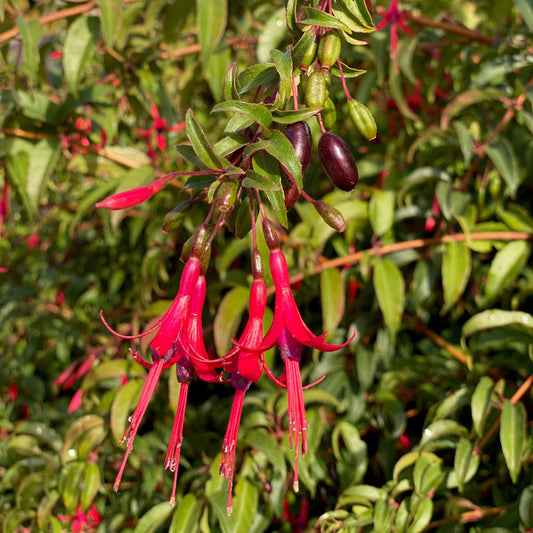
(337, 161)
(299, 135)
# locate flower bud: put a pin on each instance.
(271, 236)
(363, 119)
(331, 216)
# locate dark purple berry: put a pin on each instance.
(299, 135)
(337, 161)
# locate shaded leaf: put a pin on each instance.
(228, 317)
(381, 212)
(504, 158)
(154, 518)
(201, 145)
(512, 436)
(31, 33)
(111, 17)
(332, 297)
(390, 291)
(456, 268)
(480, 403)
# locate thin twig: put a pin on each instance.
(451, 28)
(416, 243)
(437, 339)
(468, 516)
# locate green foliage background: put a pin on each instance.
(422, 422)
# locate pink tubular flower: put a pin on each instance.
(394, 17)
(82, 521)
(286, 312)
(172, 322)
(247, 368)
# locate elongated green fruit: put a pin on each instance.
(309, 56)
(363, 119)
(329, 114)
(316, 91)
(329, 49)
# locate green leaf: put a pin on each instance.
(397, 93)
(259, 113)
(212, 17)
(456, 268)
(111, 17)
(421, 516)
(91, 484)
(38, 106)
(255, 180)
(332, 298)
(512, 436)
(215, 67)
(17, 171)
(186, 518)
(268, 167)
(299, 50)
(228, 317)
(525, 506)
(281, 148)
(79, 46)
(350, 451)
(70, 483)
(516, 217)
(348, 72)
(504, 158)
(122, 405)
(290, 116)
(381, 212)
(272, 33)
(505, 267)
(350, 14)
(43, 160)
(201, 145)
(31, 33)
(441, 428)
(283, 62)
(525, 7)
(463, 458)
(262, 441)
(230, 83)
(257, 75)
(316, 17)
(480, 403)
(154, 518)
(390, 291)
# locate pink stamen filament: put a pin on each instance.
(174, 448)
(227, 462)
(135, 420)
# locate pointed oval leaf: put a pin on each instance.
(332, 297)
(155, 517)
(506, 266)
(31, 33)
(122, 406)
(259, 113)
(111, 17)
(480, 404)
(80, 42)
(463, 458)
(456, 268)
(512, 436)
(186, 518)
(201, 145)
(422, 516)
(381, 212)
(390, 291)
(504, 158)
(91, 484)
(525, 507)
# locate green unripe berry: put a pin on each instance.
(329, 49)
(316, 91)
(309, 56)
(329, 114)
(363, 119)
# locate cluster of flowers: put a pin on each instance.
(179, 342)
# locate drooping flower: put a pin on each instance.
(286, 313)
(82, 521)
(170, 325)
(394, 17)
(158, 128)
(247, 368)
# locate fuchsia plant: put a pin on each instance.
(261, 161)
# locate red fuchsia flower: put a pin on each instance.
(4, 205)
(75, 402)
(394, 17)
(290, 333)
(158, 128)
(133, 197)
(81, 521)
(247, 368)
